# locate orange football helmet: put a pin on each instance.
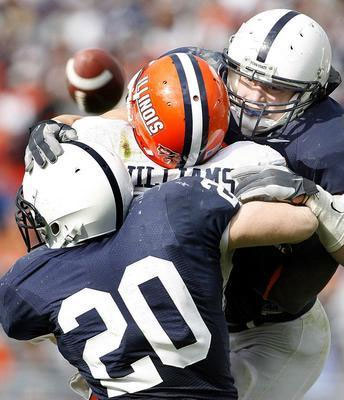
(179, 110)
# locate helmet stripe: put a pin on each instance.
(271, 36)
(110, 176)
(205, 110)
(193, 109)
(187, 108)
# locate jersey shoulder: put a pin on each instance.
(194, 205)
(323, 114)
(315, 147)
(26, 265)
(213, 58)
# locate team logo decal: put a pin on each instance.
(147, 112)
(169, 155)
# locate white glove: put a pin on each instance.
(329, 209)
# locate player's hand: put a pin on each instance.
(272, 183)
(44, 142)
(329, 209)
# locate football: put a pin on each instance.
(95, 80)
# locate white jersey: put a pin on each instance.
(117, 136)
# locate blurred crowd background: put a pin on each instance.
(36, 39)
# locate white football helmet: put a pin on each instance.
(84, 195)
(282, 49)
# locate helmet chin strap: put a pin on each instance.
(72, 235)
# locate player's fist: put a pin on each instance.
(271, 183)
(44, 142)
(95, 80)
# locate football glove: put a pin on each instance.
(329, 209)
(271, 183)
(44, 142)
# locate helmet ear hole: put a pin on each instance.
(55, 228)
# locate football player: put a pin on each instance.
(279, 76)
(305, 346)
(132, 294)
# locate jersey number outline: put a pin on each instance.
(145, 374)
(221, 191)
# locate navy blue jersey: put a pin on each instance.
(313, 146)
(316, 148)
(139, 313)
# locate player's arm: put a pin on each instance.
(116, 113)
(280, 184)
(262, 224)
(119, 112)
(67, 119)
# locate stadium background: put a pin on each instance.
(36, 39)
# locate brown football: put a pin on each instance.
(95, 80)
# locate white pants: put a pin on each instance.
(280, 361)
